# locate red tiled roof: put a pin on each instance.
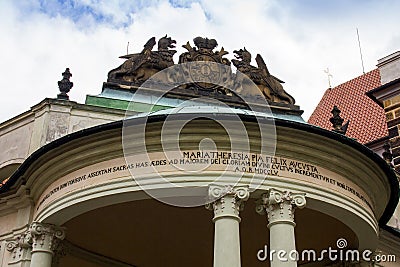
(367, 119)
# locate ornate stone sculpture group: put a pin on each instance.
(208, 70)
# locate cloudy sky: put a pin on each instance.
(297, 38)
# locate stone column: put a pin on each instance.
(227, 201)
(46, 238)
(279, 207)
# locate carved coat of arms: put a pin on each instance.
(204, 69)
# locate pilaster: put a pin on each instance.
(20, 249)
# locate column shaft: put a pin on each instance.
(226, 241)
(282, 239)
(43, 259)
(279, 207)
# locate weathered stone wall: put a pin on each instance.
(389, 68)
(44, 123)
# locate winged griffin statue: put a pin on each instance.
(269, 85)
(141, 66)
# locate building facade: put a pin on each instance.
(189, 164)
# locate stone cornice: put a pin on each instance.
(16, 122)
(12, 202)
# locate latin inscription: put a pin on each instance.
(230, 161)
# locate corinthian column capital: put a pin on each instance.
(227, 200)
(46, 237)
(280, 205)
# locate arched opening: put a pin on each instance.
(150, 233)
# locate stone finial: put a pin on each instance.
(387, 154)
(65, 85)
(337, 121)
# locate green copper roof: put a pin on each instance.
(149, 105)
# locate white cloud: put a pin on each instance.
(36, 47)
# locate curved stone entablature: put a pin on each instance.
(138, 68)
(87, 170)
